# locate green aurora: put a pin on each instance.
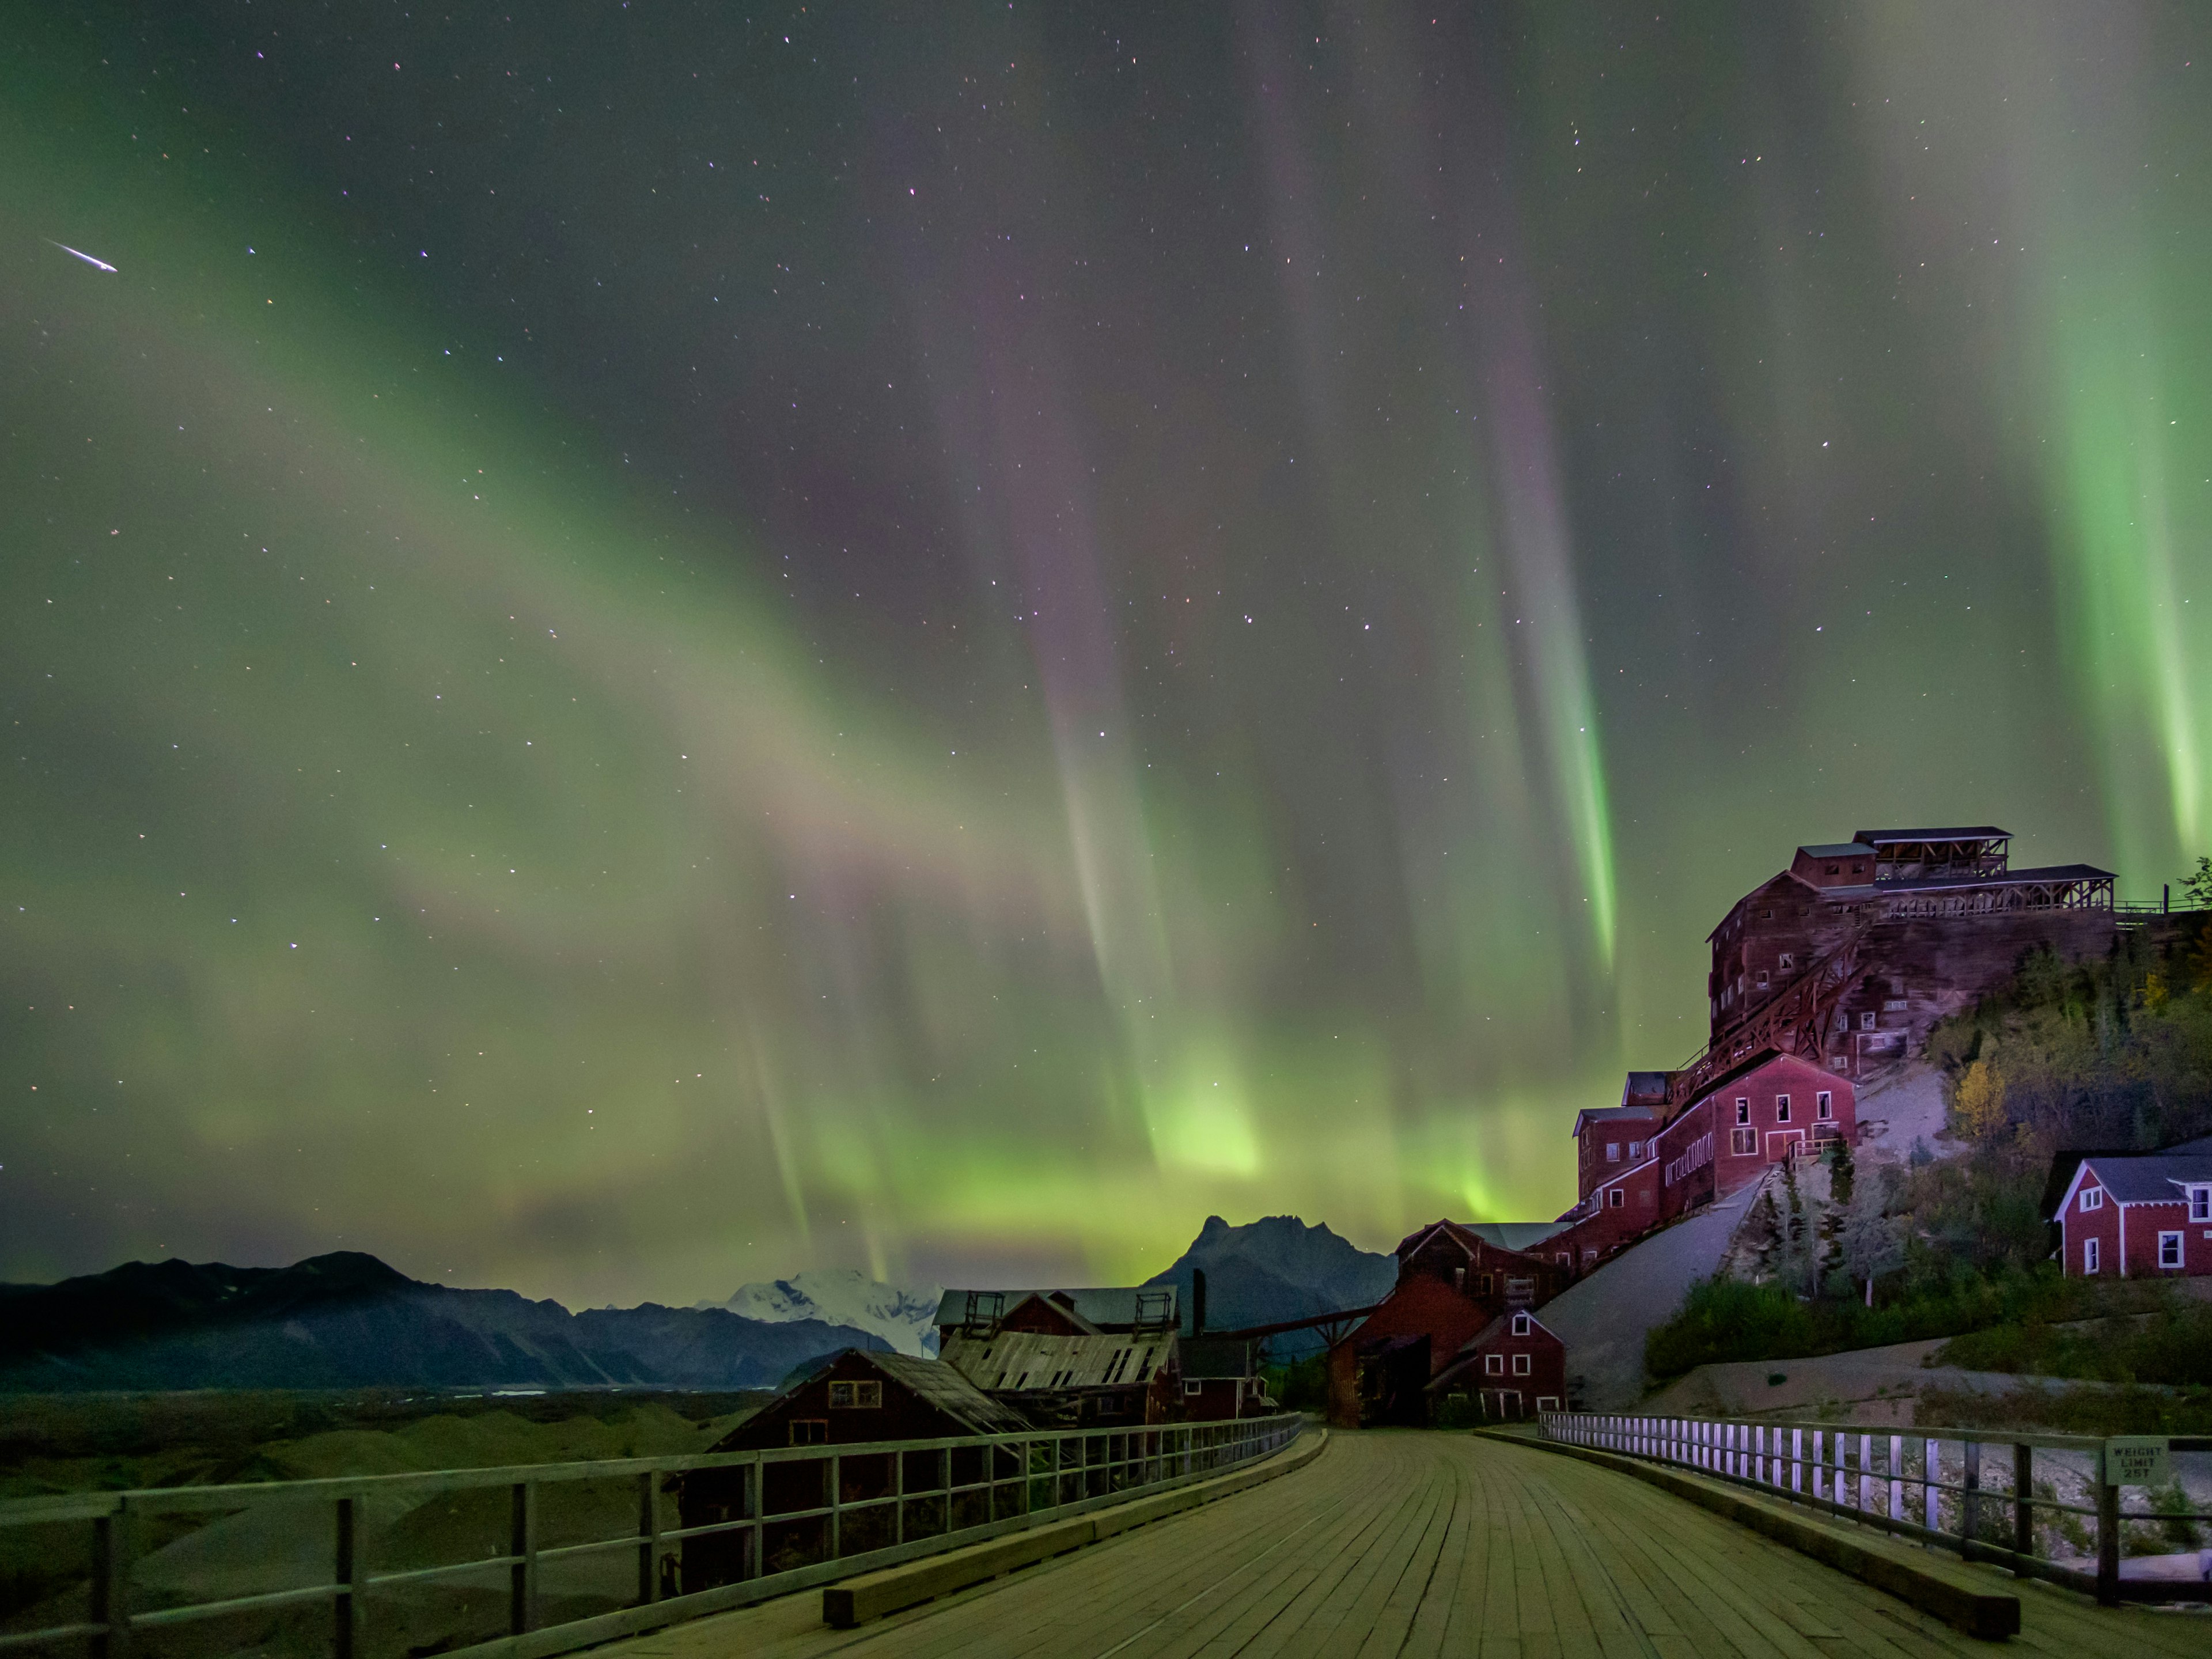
(639, 657)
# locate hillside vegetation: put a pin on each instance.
(2113, 1053)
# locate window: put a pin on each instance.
(2200, 1203)
(2169, 1250)
(1520, 1324)
(1823, 1105)
(1835, 869)
(1612, 1152)
(1484, 1284)
(1566, 1258)
(1858, 869)
(1459, 1278)
(1520, 1365)
(1636, 1149)
(1547, 1403)
(1786, 961)
(1762, 979)
(1866, 1022)
(2089, 1253)
(1191, 1389)
(1781, 1108)
(2092, 1198)
(1614, 1198)
(810, 1430)
(1493, 1364)
(856, 1396)
(1742, 1109)
(1743, 1142)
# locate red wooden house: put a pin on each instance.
(1452, 1283)
(1514, 1366)
(2135, 1215)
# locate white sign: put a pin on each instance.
(2136, 1460)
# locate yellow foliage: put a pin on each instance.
(1981, 1101)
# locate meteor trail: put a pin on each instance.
(97, 265)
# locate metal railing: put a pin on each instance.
(1927, 1485)
(353, 1539)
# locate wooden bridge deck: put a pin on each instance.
(1403, 1545)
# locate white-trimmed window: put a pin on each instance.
(1612, 1152)
(2169, 1250)
(1191, 1389)
(2092, 1198)
(1635, 1150)
(1493, 1364)
(1520, 1365)
(1742, 1143)
(1762, 979)
(1824, 1106)
(1786, 961)
(1743, 1109)
(2089, 1255)
(1866, 1022)
(2200, 1203)
(1520, 1324)
(1781, 1108)
(1615, 1198)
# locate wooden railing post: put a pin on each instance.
(1932, 1469)
(114, 1541)
(2023, 1507)
(1969, 1501)
(350, 1573)
(648, 1541)
(2108, 1535)
(836, 1473)
(522, 1586)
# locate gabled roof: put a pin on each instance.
(2148, 1177)
(1471, 1351)
(933, 1382)
(1094, 1306)
(1498, 1235)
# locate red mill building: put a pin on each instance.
(1854, 952)
(1836, 968)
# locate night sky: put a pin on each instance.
(642, 648)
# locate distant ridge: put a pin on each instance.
(347, 1320)
(1275, 1269)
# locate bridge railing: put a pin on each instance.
(546, 1559)
(2047, 1506)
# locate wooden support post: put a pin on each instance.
(898, 1494)
(1969, 1501)
(522, 1583)
(2023, 1506)
(1866, 1472)
(1897, 1477)
(1931, 1465)
(2108, 1537)
(349, 1573)
(648, 1541)
(836, 1477)
(114, 1541)
(752, 1497)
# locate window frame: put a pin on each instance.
(1743, 1142)
(2172, 1240)
(1520, 1324)
(2200, 1203)
(858, 1395)
(796, 1423)
(1824, 1106)
(2092, 1257)
(1781, 1108)
(1612, 1152)
(1743, 1109)
(2089, 1199)
(1615, 1199)
(1523, 1365)
(1493, 1364)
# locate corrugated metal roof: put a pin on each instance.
(943, 1386)
(1611, 1114)
(1512, 1235)
(1013, 1361)
(1842, 849)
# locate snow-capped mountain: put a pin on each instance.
(845, 1295)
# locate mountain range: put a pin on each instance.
(1275, 1269)
(347, 1320)
(905, 1317)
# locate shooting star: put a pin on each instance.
(97, 265)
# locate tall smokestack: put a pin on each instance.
(1198, 1301)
